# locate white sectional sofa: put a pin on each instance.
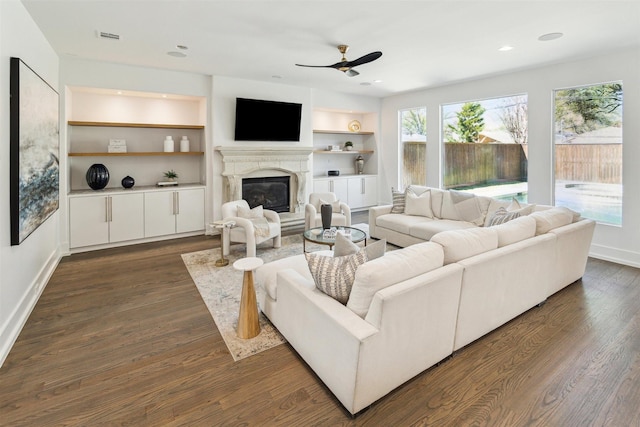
(415, 306)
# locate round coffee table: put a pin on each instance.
(316, 235)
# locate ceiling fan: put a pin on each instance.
(347, 66)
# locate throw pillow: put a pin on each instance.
(335, 206)
(344, 246)
(398, 201)
(256, 212)
(335, 275)
(521, 208)
(462, 206)
(419, 205)
(502, 215)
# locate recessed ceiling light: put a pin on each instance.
(377, 81)
(182, 47)
(550, 36)
(505, 48)
(164, 95)
(119, 92)
(176, 54)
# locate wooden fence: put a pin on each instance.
(479, 164)
(589, 163)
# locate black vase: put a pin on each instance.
(325, 213)
(97, 176)
(128, 182)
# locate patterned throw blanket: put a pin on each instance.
(261, 226)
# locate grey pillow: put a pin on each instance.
(335, 275)
(398, 201)
(502, 215)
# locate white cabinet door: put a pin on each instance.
(190, 210)
(88, 221)
(159, 213)
(339, 186)
(362, 191)
(126, 217)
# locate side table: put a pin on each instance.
(224, 227)
(248, 322)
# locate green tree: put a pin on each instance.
(470, 123)
(588, 108)
(414, 122)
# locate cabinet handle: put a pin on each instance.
(106, 209)
(363, 189)
(177, 203)
(331, 186)
(110, 209)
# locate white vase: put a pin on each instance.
(184, 144)
(168, 145)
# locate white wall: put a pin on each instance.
(24, 269)
(619, 244)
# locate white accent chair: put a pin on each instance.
(244, 230)
(313, 218)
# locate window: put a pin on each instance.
(485, 147)
(588, 151)
(413, 146)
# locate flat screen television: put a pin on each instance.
(260, 120)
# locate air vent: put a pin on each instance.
(106, 35)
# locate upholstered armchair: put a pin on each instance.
(253, 226)
(312, 217)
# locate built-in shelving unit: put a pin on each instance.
(133, 125)
(141, 153)
(341, 132)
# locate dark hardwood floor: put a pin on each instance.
(122, 337)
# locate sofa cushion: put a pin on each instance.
(398, 201)
(549, 219)
(461, 244)
(502, 216)
(426, 230)
(400, 223)
(334, 275)
(437, 195)
(418, 204)
(521, 208)
(266, 275)
(521, 228)
(394, 267)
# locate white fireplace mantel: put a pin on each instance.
(242, 162)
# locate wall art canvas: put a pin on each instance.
(34, 153)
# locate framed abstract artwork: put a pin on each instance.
(34, 151)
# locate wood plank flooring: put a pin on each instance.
(122, 337)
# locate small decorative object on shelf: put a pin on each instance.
(184, 145)
(168, 145)
(354, 126)
(348, 145)
(359, 165)
(172, 179)
(117, 146)
(97, 176)
(325, 213)
(128, 182)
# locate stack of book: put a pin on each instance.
(117, 146)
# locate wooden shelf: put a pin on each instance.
(131, 154)
(341, 132)
(133, 125)
(343, 152)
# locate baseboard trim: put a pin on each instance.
(619, 256)
(13, 326)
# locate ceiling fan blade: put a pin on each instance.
(315, 66)
(351, 72)
(363, 59)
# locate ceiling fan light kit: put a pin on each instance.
(345, 65)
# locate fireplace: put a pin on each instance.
(271, 192)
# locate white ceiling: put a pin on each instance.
(424, 43)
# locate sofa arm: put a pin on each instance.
(374, 213)
(272, 216)
(325, 333)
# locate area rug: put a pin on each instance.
(221, 287)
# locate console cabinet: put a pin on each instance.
(358, 191)
(175, 211)
(105, 218)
